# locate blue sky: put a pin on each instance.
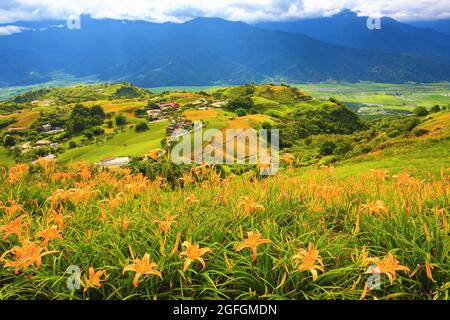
(243, 10)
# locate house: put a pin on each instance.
(43, 142)
(50, 156)
(47, 127)
(188, 125)
(199, 102)
(219, 104)
(25, 146)
(154, 114)
(16, 129)
(171, 105)
(115, 161)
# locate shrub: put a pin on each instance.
(342, 148)
(121, 120)
(240, 103)
(421, 112)
(435, 109)
(141, 127)
(72, 145)
(241, 112)
(327, 148)
(420, 132)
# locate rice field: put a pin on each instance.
(222, 237)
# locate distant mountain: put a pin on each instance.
(347, 29)
(442, 26)
(203, 51)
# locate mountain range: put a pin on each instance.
(212, 51)
(350, 30)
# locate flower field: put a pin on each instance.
(213, 237)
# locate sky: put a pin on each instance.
(238, 10)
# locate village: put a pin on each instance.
(46, 141)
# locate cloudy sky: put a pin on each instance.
(244, 10)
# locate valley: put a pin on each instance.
(269, 104)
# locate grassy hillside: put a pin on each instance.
(350, 195)
(284, 237)
(127, 143)
(277, 106)
(418, 155)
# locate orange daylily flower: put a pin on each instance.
(29, 254)
(380, 174)
(310, 261)
(187, 178)
(389, 265)
(142, 267)
(114, 202)
(13, 207)
(201, 169)
(49, 234)
(253, 240)
(287, 158)
(94, 280)
(56, 218)
(405, 179)
(14, 227)
(376, 207)
(249, 205)
(153, 154)
(18, 172)
(193, 252)
(263, 166)
(191, 199)
(428, 268)
(165, 225)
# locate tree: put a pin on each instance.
(97, 131)
(141, 127)
(121, 120)
(89, 134)
(82, 118)
(72, 144)
(241, 112)
(139, 113)
(152, 105)
(97, 111)
(240, 103)
(435, 109)
(421, 111)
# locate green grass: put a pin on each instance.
(137, 144)
(5, 159)
(418, 159)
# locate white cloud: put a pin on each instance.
(245, 10)
(9, 30)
